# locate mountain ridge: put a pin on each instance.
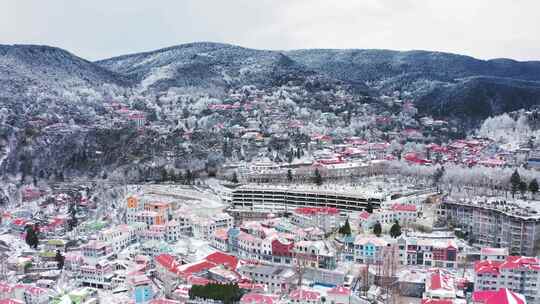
(430, 78)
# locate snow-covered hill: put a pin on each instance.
(24, 68)
(208, 65)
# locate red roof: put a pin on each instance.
(364, 215)
(19, 222)
(196, 267)
(440, 280)
(36, 290)
(317, 210)
(220, 258)
(436, 301)
(167, 261)
(256, 298)
(252, 286)
(164, 301)
(413, 157)
(11, 301)
(340, 290)
(404, 207)
(196, 280)
(511, 262)
(502, 296)
(302, 294)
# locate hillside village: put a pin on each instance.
(261, 181)
(370, 203)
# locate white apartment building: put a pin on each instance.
(204, 227)
(277, 278)
(404, 214)
(121, 236)
(519, 274)
(324, 218)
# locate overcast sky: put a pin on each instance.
(97, 29)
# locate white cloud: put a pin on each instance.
(103, 28)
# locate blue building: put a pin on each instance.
(141, 287)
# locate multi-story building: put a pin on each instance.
(315, 254)
(282, 251)
(282, 199)
(98, 275)
(149, 212)
(370, 249)
(428, 252)
(277, 278)
(140, 287)
(147, 217)
(404, 214)
(154, 248)
(37, 295)
(166, 267)
(95, 251)
(173, 230)
(204, 227)
(249, 246)
(494, 254)
(220, 239)
(519, 274)
(325, 218)
(498, 224)
(121, 236)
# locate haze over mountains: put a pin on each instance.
(441, 84)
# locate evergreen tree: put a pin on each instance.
(395, 230)
(377, 229)
(515, 180)
(533, 187)
(437, 176)
(164, 175)
(72, 221)
(31, 237)
(317, 179)
(59, 259)
(290, 157)
(226, 293)
(522, 187)
(346, 228)
(289, 175)
(234, 178)
(189, 177)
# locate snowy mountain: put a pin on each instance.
(48, 81)
(442, 84)
(25, 67)
(209, 65)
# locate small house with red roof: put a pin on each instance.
(338, 294)
(304, 296)
(404, 214)
(259, 298)
(501, 296)
(440, 285)
(166, 267)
